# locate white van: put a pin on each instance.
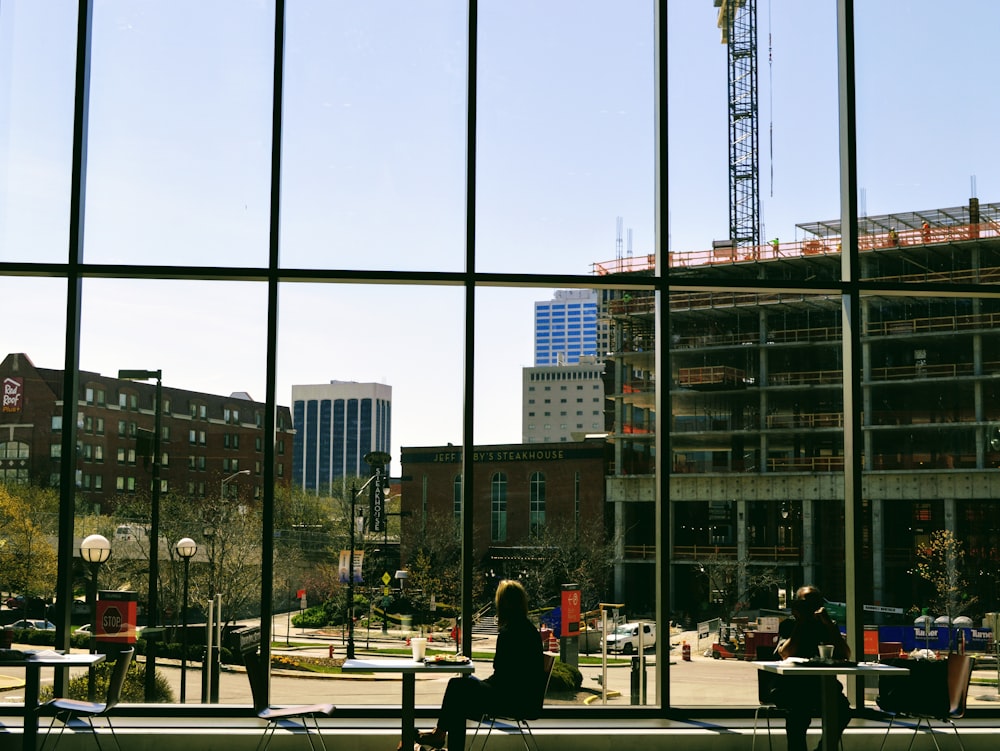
(625, 637)
(129, 532)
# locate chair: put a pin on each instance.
(68, 709)
(521, 721)
(766, 683)
(284, 716)
(928, 693)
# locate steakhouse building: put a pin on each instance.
(205, 438)
(519, 490)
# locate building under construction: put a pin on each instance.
(756, 422)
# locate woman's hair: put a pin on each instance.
(511, 602)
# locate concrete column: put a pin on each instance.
(808, 543)
(878, 552)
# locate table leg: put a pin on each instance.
(29, 739)
(830, 692)
(409, 711)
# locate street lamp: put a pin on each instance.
(376, 460)
(222, 490)
(95, 550)
(186, 548)
(152, 605)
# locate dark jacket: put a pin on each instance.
(517, 669)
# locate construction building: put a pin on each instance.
(756, 426)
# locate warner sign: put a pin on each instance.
(13, 394)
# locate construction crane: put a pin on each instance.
(738, 22)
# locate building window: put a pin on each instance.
(498, 507)
(55, 450)
(56, 422)
(88, 395)
(14, 450)
(536, 507)
(456, 496)
(100, 426)
(122, 427)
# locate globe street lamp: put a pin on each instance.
(186, 548)
(94, 550)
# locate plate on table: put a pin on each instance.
(446, 660)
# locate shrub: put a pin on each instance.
(134, 690)
(565, 679)
(314, 617)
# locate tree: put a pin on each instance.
(732, 582)
(435, 564)
(27, 559)
(940, 562)
(566, 554)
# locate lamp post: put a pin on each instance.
(350, 574)
(222, 490)
(376, 460)
(152, 604)
(186, 548)
(94, 550)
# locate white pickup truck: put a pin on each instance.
(625, 637)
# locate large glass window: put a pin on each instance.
(581, 367)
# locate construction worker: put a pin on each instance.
(893, 237)
(925, 231)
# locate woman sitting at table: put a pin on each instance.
(517, 683)
(800, 636)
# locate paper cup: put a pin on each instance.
(826, 651)
(419, 645)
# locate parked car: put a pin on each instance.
(625, 638)
(84, 630)
(16, 602)
(78, 608)
(31, 623)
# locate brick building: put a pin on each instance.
(205, 438)
(518, 490)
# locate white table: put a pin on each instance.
(830, 684)
(33, 664)
(409, 669)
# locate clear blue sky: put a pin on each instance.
(374, 169)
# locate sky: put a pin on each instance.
(373, 170)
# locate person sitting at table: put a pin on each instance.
(800, 636)
(517, 682)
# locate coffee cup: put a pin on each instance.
(419, 645)
(826, 652)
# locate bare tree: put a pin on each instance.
(732, 582)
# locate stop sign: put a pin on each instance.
(116, 614)
(111, 620)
